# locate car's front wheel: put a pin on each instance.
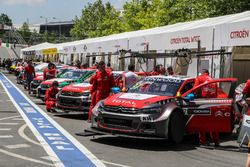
(176, 126)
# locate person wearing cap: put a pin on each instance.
(50, 97)
(102, 82)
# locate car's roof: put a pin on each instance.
(82, 70)
(179, 77)
(117, 72)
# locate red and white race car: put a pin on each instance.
(166, 107)
(77, 97)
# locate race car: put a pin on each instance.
(77, 97)
(38, 69)
(166, 107)
(39, 77)
(69, 77)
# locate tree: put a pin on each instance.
(97, 20)
(4, 19)
(35, 38)
(25, 31)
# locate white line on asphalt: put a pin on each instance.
(9, 123)
(17, 146)
(5, 129)
(17, 119)
(114, 164)
(17, 116)
(23, 135)
(49, 158)
(25, 158)
(6, 136)
(47, 148)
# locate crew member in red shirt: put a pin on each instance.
(95, 66)
(170, 70)
(208, 91)
(45, 70)
(50, 97)
(246, 94)
(102, 82)
(29, 73)
(157, 70)
(246, 90)
(51, 72)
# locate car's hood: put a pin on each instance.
(39, 74)
(133, 100)
(59, 80)
(80, 87)
(39, 78)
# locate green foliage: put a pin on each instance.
(97, 19)
(100, 19)
(4, 19)
(25, 31)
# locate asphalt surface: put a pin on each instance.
(113, 151)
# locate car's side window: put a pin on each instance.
(187, 87)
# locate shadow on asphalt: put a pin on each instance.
(189, 143)
(5, 111)
(78, 116)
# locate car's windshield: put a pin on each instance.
(157, 86)
(74, 74)
(40, 67)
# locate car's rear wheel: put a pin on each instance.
(176, 126)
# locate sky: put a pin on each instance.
(21, 11)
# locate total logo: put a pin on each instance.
(124, 102)
(221, 114)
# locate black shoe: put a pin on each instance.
(217, 144)
(204, 144)
(49, 110)
(53, 110)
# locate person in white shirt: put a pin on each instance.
(129, 78)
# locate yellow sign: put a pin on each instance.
(50, 51)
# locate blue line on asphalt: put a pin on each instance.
(67, 152)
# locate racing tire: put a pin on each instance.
(176, 127)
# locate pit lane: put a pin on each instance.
(123, 152)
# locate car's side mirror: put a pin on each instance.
(190, 97)
(115, 90)
(124, 89)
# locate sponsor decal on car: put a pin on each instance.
(135, 96)
(197, 111)
(82, 85)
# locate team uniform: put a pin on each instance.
(246, 90)
(208, 91)
(102, 82)
(29, 75)
(50, 98)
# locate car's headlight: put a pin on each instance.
(86, 93)
(98, 108)
(152, 109)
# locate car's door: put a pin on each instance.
(211, 109)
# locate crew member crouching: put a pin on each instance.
(50, 97)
